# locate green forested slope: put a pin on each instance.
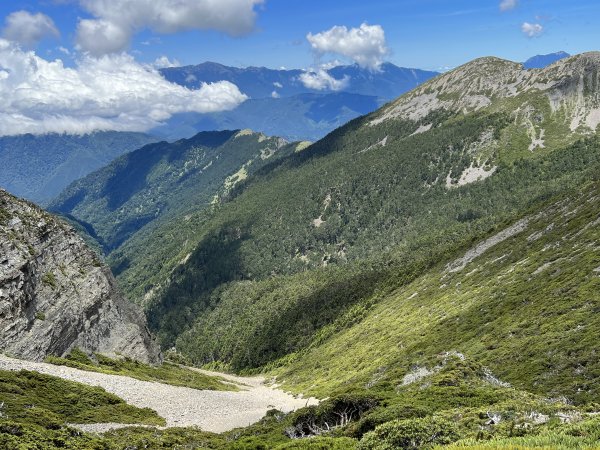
(258, 321)
(365, 210)
(384, 197)
(159, 179)
(129, 205)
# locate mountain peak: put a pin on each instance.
(542, 61)
(568, 85)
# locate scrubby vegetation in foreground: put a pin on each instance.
(35, 408)
(458, 402)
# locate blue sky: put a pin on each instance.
(77, 66)
(419, 33)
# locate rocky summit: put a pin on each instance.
(56, 294)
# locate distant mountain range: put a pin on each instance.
(542, 61)
(282, 104)
(259, 82)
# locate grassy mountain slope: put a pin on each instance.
(525, 307)
(133, 205)
(383, 198)
(35, 410)
(264, 318)
(40, 167)
(431, 268)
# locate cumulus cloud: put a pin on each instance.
(331, 64)
(109, 93)
(532, 29)
(275, 94)
(28, 29)
(322, 81)
(277, 84)
(164, 62)
(507, 5)
(365, 45)
(116, 21)
(100, 37)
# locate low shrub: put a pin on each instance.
(410, 434)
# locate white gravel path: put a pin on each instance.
(214, 411)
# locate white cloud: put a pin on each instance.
(28, 29)
(100, 37)
(275, 94)
(507, 5)
(322, 81)
(331, 64)
(364, 45)
(532, 29)
(116, 21)
(109, 93)
(277, 84)
(164, 62)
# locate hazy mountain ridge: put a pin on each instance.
(40, 167)
(299, 117)
(259, 82)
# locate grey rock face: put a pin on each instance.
(55, 293)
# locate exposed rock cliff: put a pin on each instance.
(55, 294)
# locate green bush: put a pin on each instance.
(410, 434)
(79, 356)
(320, 443)
(50, 279)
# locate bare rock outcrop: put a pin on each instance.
(566, 92)
(56, 294)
